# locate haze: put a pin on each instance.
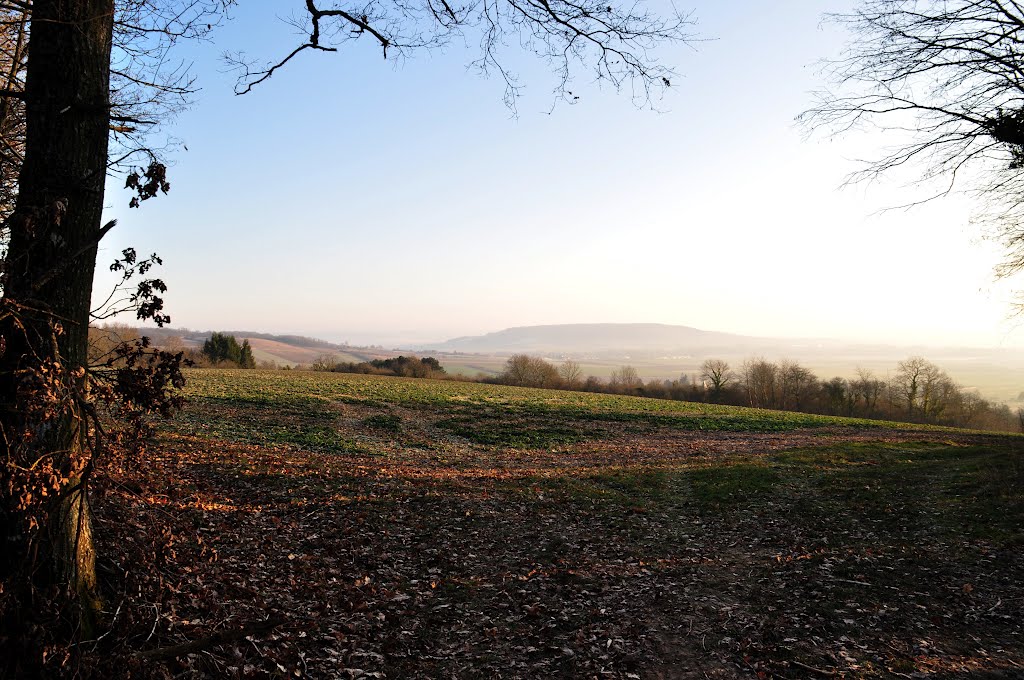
(360, 200)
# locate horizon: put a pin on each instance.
(395, 342)
(993, 373)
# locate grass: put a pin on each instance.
(543, 406)
(443, 529)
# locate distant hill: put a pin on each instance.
(282, 349)
(601, 338)
(190, 337)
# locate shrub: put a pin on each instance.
(526, 371)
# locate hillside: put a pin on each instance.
(284, 349)
(418, 529)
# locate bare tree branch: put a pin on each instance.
(617, 43)
(950, 74)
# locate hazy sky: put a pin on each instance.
(358, 199)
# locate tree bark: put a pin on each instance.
(54, 232)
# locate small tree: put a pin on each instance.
(221, 348)
(716, 374)
(909, 381)
(570, 373)
(837, 391)
(625, 379)
(761, 379)
(526, 371)
(866, 390)
(797, 385)
(245, 357)
(324, 362)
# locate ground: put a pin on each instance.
(417, 529)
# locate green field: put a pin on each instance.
(410, 528)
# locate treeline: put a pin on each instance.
(918, 391)
(403, 366)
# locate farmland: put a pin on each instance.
(411, 528)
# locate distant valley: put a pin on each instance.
(656, 350)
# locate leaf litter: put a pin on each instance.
(409, 551)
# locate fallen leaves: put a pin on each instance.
(411, 552)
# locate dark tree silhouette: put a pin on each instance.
(245, 357)
(614, 41)
(948, 75)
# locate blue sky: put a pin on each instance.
(359, 199)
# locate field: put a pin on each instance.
(417, 529)
(996, 374)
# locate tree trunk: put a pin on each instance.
(47, 280)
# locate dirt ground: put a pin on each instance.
(658, 554)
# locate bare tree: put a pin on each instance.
(938, 392)
(104, 341)
(571, 373)
(796, 385)
(526, 371)
(717, 374)
(949, 73)
(866, 390)
(761, 377)
(626, 379)
(922, 387)
(839, 396)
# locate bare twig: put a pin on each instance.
(812, 669)
(218, 638)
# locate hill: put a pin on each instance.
(600, 338)
(284, 350)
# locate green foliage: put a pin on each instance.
(384, 421)
(740, 482)
(547, 405)
(223, 348)
(245, 357)
(514, 430)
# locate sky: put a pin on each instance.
(375, 201)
